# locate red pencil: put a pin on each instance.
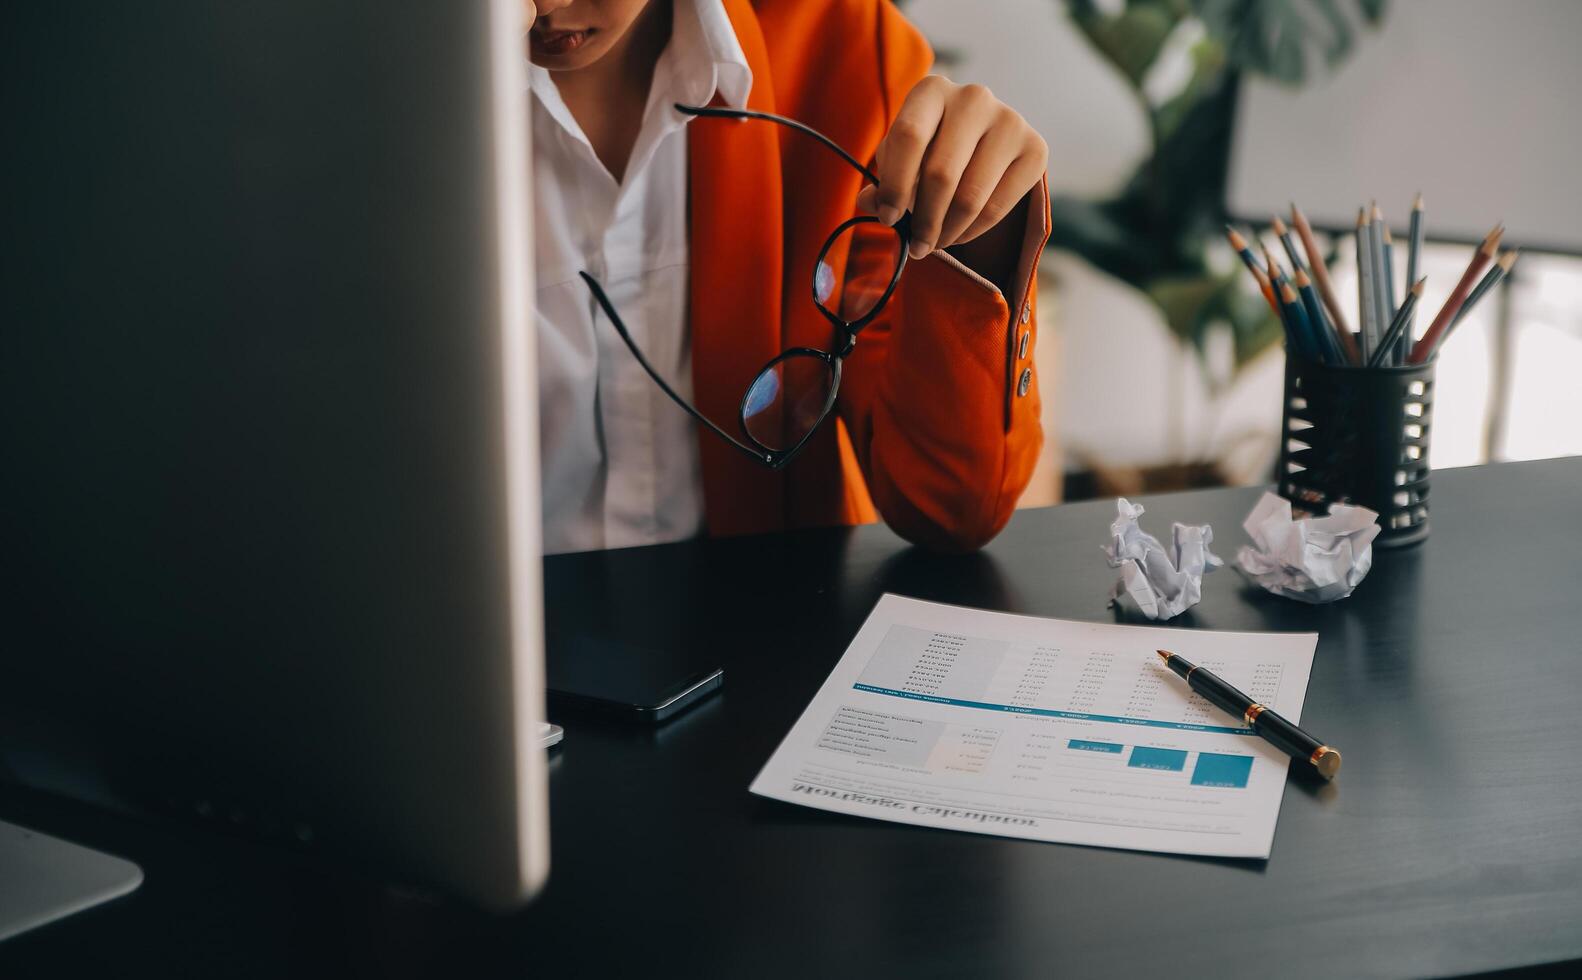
(1480, 261)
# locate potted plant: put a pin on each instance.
(1163, 232)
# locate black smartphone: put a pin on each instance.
(592, 674)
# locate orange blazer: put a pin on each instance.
(938, 422)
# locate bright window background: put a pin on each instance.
(1545, 409)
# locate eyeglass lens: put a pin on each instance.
(787, 400)
(870, 251)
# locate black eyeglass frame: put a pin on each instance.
(777, 458)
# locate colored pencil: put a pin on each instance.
(1326, 291)
(1502, 267)
(1322, 334)
(1458, 297)
(1295, 328)
(1414, 251)
(1277, 276)
(1382, 313)
(1385, 355)
(1284, 234)
(1389, 273)
(1366, 311)
(1389, 289)
(1492, 278)
(1312, 328)
(1298, 321)
(1239, 243)
(1276, 271)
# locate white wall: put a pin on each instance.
(1027, 52)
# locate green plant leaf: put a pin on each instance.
(1131, 40)
(1272, 37)
(1208, 73)
(1339, 41)
(1189, 305)
(1154, 234)
(1094, 231)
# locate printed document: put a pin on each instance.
(1045, 729)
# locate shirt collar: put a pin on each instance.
(716, 37)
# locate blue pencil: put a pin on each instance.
(1414, 249)
(1385, 355)
(1306, 340)
(1284, 234)
(1300, 326)
(1328, 342)
(1261, 277)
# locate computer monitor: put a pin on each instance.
(269, 521)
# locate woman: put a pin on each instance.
(703, 235)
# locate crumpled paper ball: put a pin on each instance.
(1162, 584)
(1316, 559)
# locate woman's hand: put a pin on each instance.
(956, 157)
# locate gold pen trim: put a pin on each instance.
(1252, 713)
(1326, 760)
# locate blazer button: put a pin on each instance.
(1027, 311)
(1021, 351)
(1025, 383)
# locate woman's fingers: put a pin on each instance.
(1023, 173)
(900, 153)
(868, 200)
(998, 148)
(956, 157)
(967, 117)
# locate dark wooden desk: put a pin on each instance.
(1451, 844)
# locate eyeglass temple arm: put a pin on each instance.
(620, 328)
(722, 112)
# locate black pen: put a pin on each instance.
(1275, 730)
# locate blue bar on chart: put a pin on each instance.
(1143, 757)
(1213, 769)
(1083, 745)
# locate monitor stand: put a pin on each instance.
(43, 879)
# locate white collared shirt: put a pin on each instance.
(620, 460)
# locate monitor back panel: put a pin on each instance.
(254, 513)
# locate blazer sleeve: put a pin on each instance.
(940, 396)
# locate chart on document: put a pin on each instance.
(1046, 729)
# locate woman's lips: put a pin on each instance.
(559, 42)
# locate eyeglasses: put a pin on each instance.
(793, 394)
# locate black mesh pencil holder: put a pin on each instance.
(1359, 436)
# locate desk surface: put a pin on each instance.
(1452, 843)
